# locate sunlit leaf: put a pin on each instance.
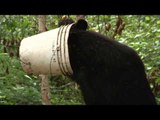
(158, 22)
(147, 18)
(28, 77)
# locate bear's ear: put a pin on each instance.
(81, 24)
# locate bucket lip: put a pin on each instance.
(63, 53)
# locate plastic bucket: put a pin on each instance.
(47, 52)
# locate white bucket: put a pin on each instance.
(47, 52)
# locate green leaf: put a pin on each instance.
(147, 18)
(158, 22)
(138, 35)
(158, 80)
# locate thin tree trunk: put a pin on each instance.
(45, 91)
(42, 23)
(80, 17)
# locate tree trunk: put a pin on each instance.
(42, 23)
(45, 91)
(80, 17)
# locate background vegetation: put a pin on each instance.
(140, 32)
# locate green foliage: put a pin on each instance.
(64, 91)
(141, 32)
(17, 26)
(16, 86)
(144, 38)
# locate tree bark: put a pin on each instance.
(42, 23)
(45, 91)
(80, 17)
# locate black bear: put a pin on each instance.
(108, 72)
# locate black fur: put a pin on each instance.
(108, 72)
